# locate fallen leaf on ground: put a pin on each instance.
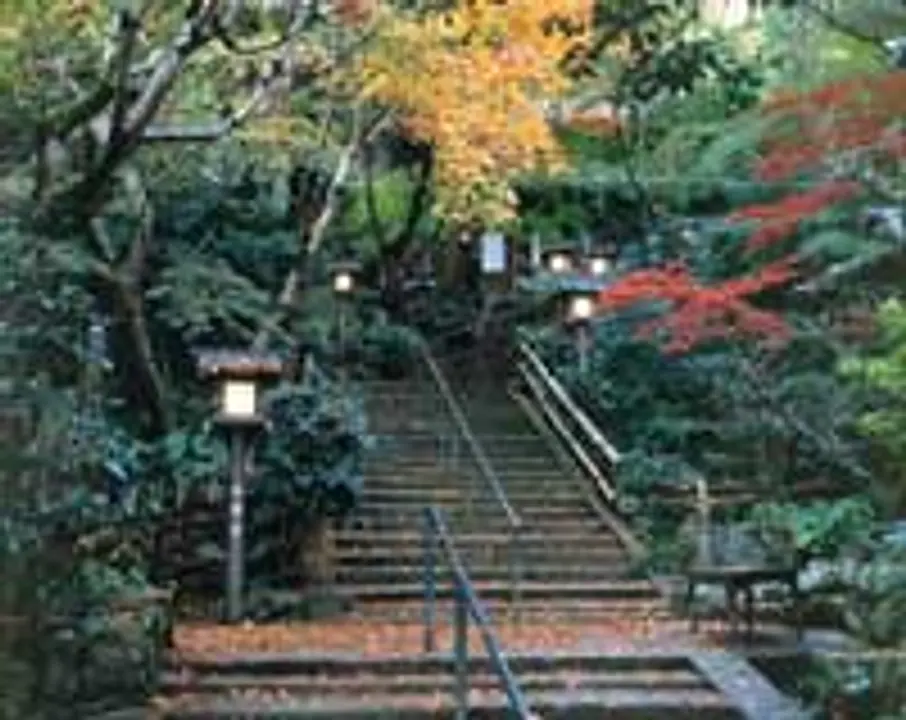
(371, 637)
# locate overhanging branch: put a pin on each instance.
(835, 23)
(303, 15)
(319, 228)
(209, 131)
(312, 238)
(193, 34)
(121, 62)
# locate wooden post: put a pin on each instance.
(703, 507)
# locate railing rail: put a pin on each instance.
(485, 469)
(572, 424)
(439, 545)
(488, 474)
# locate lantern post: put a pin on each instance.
(579, 315)
(240, 376)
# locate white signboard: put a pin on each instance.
(493, 253)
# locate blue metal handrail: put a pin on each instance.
(487, 472)
(462, 424)
(439, 545)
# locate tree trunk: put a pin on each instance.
(143, 382)
(318, 555)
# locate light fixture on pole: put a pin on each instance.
(559, 263)
(579, 314)
(599, 265)
(344, 285)
(343, 282)
(240, 375)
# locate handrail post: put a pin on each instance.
(430, 570)
(461, 651)
(454, 451)
(516, 570)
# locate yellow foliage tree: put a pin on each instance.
(473, 81)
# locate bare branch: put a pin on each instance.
(138, 250)
(312, 240)
(129, 31)
(100, 240)
(319, 228)
(207, 132)
(300, 20)
(193, 34)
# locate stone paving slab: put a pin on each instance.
(754, 696)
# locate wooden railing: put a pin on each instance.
(584, 440)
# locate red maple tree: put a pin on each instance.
(699, 312)
(835, 137)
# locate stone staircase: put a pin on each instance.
(573, 687)
(577, 585)
(573, 566)
(593, 577)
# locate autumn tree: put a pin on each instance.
(102, 98)
(821, 154)
(477, 77)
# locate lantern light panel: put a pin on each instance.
(239, 399)
(559, 263)
(342, 282)
(582, 308)
(600, 266)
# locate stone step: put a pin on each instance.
(428, 682)
(467, 476)
(478, 508)
(500, 572)
(413, 538)
(499, 588)
(524, 441)
(426, 477)
(469, 483)
(377, 491)
(463, 524)
(435, 468)
(431, 456)
(614, 704)
(346, 664)
(545, 610)
(414, 554)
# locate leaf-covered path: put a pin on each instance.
(372, 637)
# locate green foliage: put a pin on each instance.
(883, 374)
(391, 194)
(820, 529)
(869, 685)
(75, 532)
(766, 421)
(799, 49)
(390, 350)
(311, 463)
(94, 507)
(199, 295)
